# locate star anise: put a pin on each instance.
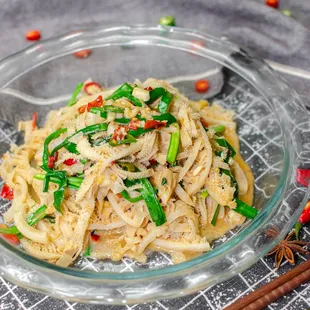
(286, 249)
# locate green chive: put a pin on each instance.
(216, 213)
(77, 90)
(245, 210)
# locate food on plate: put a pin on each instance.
(119, 172)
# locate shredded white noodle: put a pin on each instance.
(121, 198)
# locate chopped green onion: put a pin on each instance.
(126, 196)
(155, 94)
(164, 103)
(139, 117)
(47, 141)
(155, 209)
(71, 147)
(245, 210)
(223, 142)
(218, 128)
(83, 161)
(108, 108)
(77, 90)
(50, 218)
(98, 110)
(139, 131)
(165, 117)
(163, 181)
(218, 153)
(167, 21)
(92, 129)
(204, 194)
(88, 250)
(73, 182)
(174, 145)
(129, 139)
(122, 120)
(32, 219)
(216, 214)
(234, 182)
(101, 141)
(124, 88)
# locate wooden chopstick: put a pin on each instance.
(275, 289)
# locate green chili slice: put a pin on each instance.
(167, 21)
(129, 139)
(204, 194)
(245, 210)
(77, 90)
(216, 214)
(174, 145)
(165, 117)
(164, 103)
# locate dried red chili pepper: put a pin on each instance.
(95, 237)
(7, 192)
(9, 237)
(204, 122)
(149, 88)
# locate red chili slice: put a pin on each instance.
(33, 35)
(149, 88)
(202, 86)
(34, 120)
(92, 88)
(70, 161)
(95, 237)
(9, 237)
(154, 124)
(52, 160)
(7, 192)
(305, 215)
(98, 102)
(303, 176)
(273, 3)
(82, 54)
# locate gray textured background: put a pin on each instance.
(248, 23)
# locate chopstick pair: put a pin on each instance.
(275, 289)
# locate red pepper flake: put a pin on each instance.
(204, 122)
(98, 102)
(7, 192)
(303, 176)
(52, 160)
(149, 88)
(154, 124)
(92, 88)
(153, 162)
(134, 124)
(95, 237)
(82, 54)
(9, 237)
(273, 3)
(202, 86)
(70, 161)
(120, 133)
(119, 195)
(33, 35)
(34, 120)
